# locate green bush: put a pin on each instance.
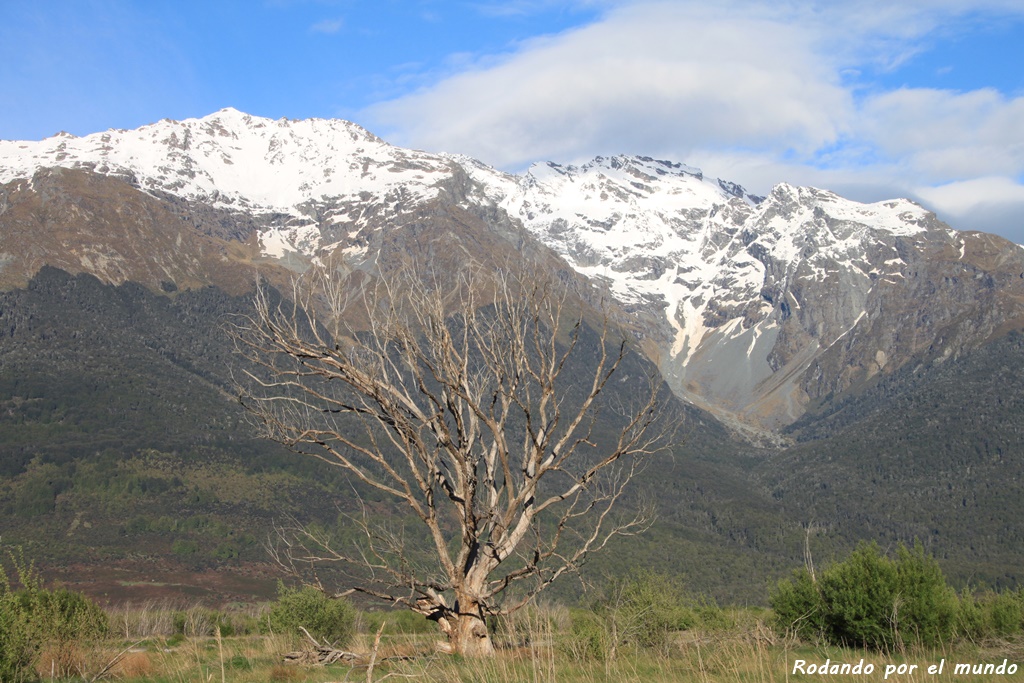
(648, 608)
(798, 606)
(641, 611)
(1003, 614)
(926, 605)
(870, 600)
(587, 638)
(331, 619)
(31, 617)
(185, 547)
(989, 615)
(19, 646)
(69, 615)
(226, 551)
(707, 615)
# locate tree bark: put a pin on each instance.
(469, 636)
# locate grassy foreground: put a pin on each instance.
(744, 650)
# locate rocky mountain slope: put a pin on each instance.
(756, 308)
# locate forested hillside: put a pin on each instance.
(124, 446)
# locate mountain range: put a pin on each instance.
(821, 344)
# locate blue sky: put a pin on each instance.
(870, 98)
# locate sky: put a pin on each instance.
(872, 99)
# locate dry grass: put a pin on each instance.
(704, 658)
(134, 665)
(164, 618)
(145, 620)
(286, 674)
(532, 648)
(63, 660)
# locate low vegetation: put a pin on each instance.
(874, 601)
(895, 615)
(33, 618)
(325, 619)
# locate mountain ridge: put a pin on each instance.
(748, 304)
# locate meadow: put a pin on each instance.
(147, 643)
(871, 617)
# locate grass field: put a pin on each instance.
(536, 650)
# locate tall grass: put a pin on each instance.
(169, 618)
(531, 648)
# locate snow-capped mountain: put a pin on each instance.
(750, 293)
(236, 161)
(754, 307)
(279, 171)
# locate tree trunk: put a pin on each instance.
(467, 629)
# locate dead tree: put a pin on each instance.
(459, 404)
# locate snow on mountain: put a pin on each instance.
(751, 297)
(654, 231)
(235, 161)
(664, 236)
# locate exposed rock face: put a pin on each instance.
(79, 221)
(754, 307)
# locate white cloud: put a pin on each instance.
(649, 78)
(943, 134)
(992, 204)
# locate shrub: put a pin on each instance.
(185, 547)
(870, 600)
(1003, 614)
(926, 602)
(989, 615)
(646, 608)
(641, 610)
(66, 620)
(798, 607)
(859, 598)
(70, 616)
(709, 616)
(33, 617)
(332, 619)
(18, 645)
(587, 638)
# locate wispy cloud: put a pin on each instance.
(328, 26)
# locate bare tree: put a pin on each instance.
(466, 405)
